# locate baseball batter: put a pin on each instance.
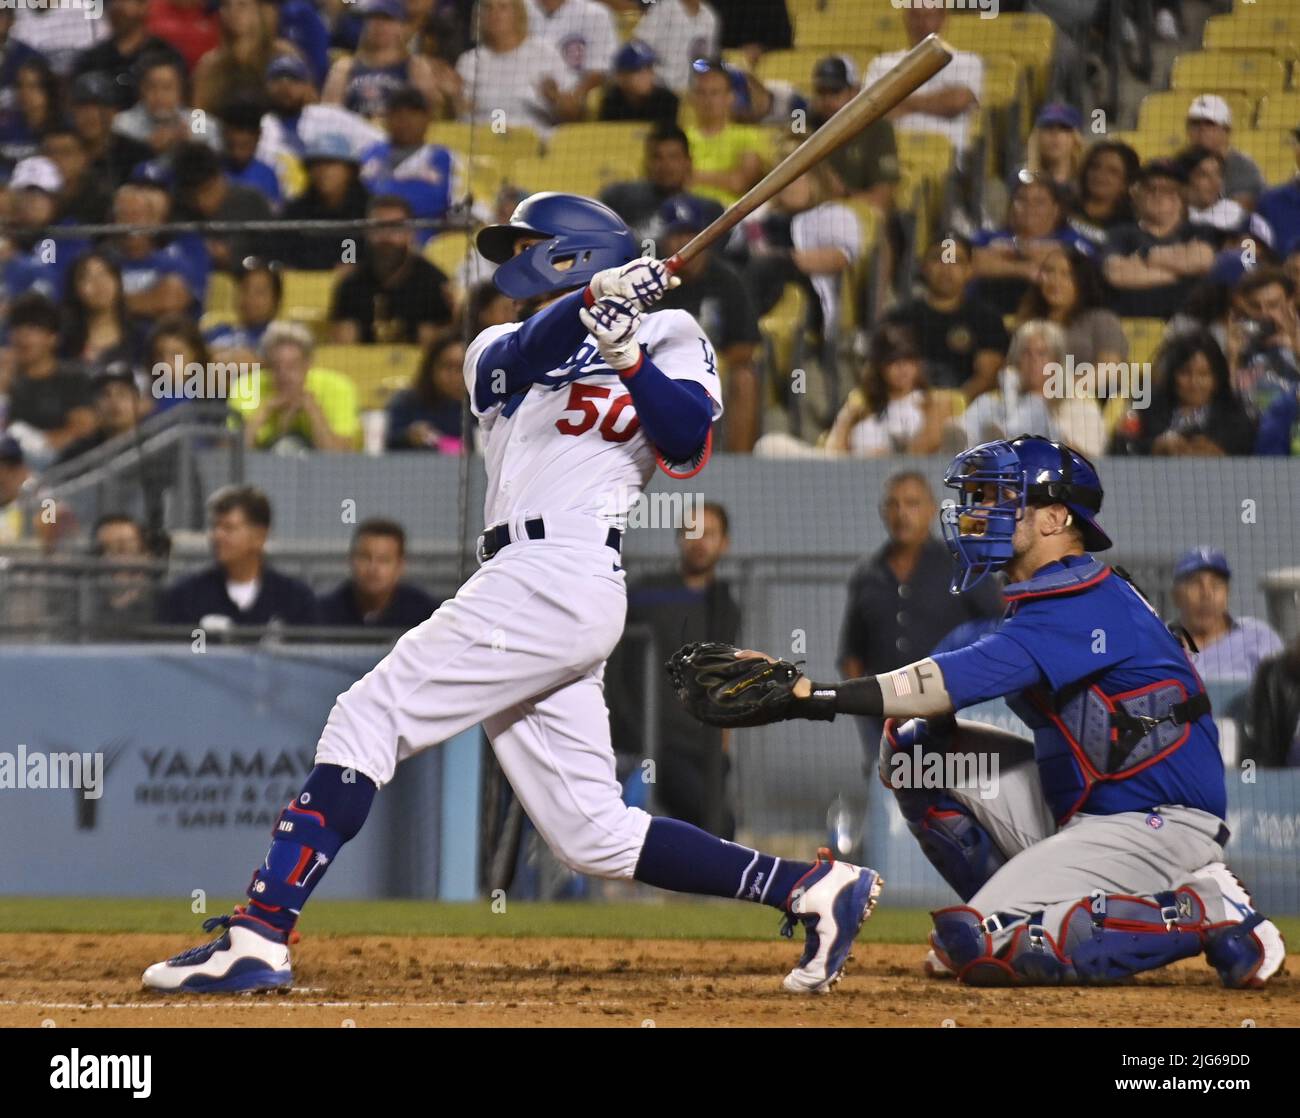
(576, 404)
(1101, 855)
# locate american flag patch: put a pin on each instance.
(902, 683)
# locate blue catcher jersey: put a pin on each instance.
(1118, 713)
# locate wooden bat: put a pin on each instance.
(913, 70)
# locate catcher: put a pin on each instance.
(1101, 855)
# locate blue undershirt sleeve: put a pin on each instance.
(675, 414)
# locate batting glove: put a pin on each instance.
(642, 282)
(613, 323)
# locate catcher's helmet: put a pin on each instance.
(994, 483)
(577, 229)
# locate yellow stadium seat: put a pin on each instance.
(568, 176)
(515, 141)
(1143, 336)
(1166, 112)
(782, 326)
(1279, 110)
(796, 66)
(220, 301)
(484, 175)
(377, 370)
(447, 251)
(603, 142)
(844, 26)
(1210, 71)
(1025, 36)
(1149, 145)
(307, 296)
(1277, 34)
(1269, 12)
(1273, 149)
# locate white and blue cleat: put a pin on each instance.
(832, 901)
(1247, 948)
(237, 962)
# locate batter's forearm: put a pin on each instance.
(914, 691)
(675, 415)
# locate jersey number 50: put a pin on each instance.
(585, 399)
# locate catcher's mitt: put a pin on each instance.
(722, 689)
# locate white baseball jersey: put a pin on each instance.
(678, 38)
(572, 443)
(582, 30)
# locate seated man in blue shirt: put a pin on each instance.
(1280, 207)
(375, 594)
(240, 586)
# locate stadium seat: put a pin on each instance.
(782, 327)
(1166, 113)
(377, 370)
(1212, 71)
(307, 296)
(484, 175)
(1143, 336)
(220, 301)
(844, 27)
(1279, 110)
(796, 66)
(926, 159)
(1277, 34)
(447, 251)
(570, 176)
(621, 144)
(1025, 36)
(516, 142)
(1272, 149)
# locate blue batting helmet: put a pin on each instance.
(586, 234)
(996, 481)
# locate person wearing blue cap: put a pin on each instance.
(1230, 648)
(635, 92)
(366, 81)
(334, 193)
(1055, 147)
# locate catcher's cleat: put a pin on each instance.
(1247, 950)
(240, 960)
(832, 901)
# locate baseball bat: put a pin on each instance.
(913, 70)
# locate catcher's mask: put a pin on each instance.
(995, 482)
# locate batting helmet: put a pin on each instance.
(995, 481)
(582, 236)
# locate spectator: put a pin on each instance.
(867, 166)
(1152, 265)
(129, 40)
(1271, 729)
(1206, 204)
(1195, 411)
(295, 124)
(375, 594)
(1105, 191)
(1008, 260)
(962, 339)
(1055, 148)
(1027, 398)
(111, 155)
(85, 198)
(583, 32)
(509, 72)
(691, 603)
(125, 586)
(894, 411)
(1068, 291)
(175, 345)
(428, 414)
(16, 522)
(426, 175)
(13, 53)
(634, 93)
(246, 46)
(158, 278)
(35, 110)
(679, 31)
(161, 120)
(240, 585)
(754, 26)
(59, 31)
(365, 82)
(1230, 648)
(118, 410)
(205, 193)
(191, 26)
(299, 22)
(668, 170)
(728, 158)
(393, 295)
(241, 133)
(34, 191)
(334, 193)
(714, 292)
(1263, 354)
(49, 399)
(95, 328)
(485, 306)
(298, 407)
(1280, 207)
(259, 291)
(899, 607)
(1209, 125)
(949, 102)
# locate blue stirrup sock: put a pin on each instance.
(310, 831)
(685, 859)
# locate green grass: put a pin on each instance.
(673, 919)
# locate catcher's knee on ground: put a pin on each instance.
(950, 836)
(1098, 939)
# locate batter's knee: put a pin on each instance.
(605, 844)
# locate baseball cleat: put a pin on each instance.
(240, 960)
(832, 901)
(934, 967)
(1247, 949)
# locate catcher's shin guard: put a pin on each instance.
(953, 840)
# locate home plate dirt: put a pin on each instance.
(366, 982)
